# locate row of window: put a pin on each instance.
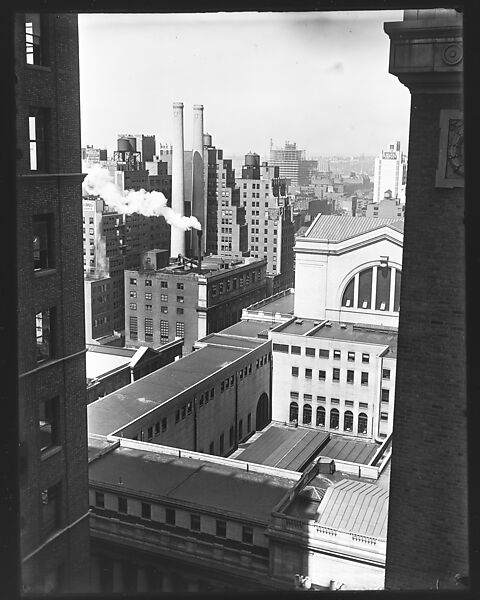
(163, 284)
(334, 420)
(232, 284)
(221, 526)
(164, 329)
(163, 309)
(309, 397)
(379, 283)
(322, 375)
(322, 352)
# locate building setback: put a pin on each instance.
(54, 527)
(187, 301)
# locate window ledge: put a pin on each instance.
(38, 67)
(45, 272)
(49, 452)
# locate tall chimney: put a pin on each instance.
(198, 175)
(177, 245)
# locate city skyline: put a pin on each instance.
(351, 106)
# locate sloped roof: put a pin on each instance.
(335, 228)
(356, 507)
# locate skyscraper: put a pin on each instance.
(390, 173)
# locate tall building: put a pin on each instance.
(188, 300)
(293, 165)
(54, 527)
(390, 173)
(428, 529)
(269, 217)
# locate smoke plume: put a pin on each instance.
(99, 182)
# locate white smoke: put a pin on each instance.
(99, 182)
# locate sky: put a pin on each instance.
(319, 79)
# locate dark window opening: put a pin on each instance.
(43, 247)
(48, 423)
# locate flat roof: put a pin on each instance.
(110, 413)
(250, 328)
(356, 507)
(354, 332)
(231, 340)
(99, 363)
(341, 448)
(213, 486)
(284, 448)
(283, 304)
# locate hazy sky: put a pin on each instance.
(318, 79)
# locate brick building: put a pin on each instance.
(54, 533)
(177, 300)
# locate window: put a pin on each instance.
(177, 415)
(308, 373)
(148, 283)
(48, 423)
(164, 309)
(347, 299)
(222, 444)
(164, 424)
(157, 428)
(34, 40)
(280, 348)
(385, 395)
(122, 504)
(240, 429)
(382, 301)
(180, 311)
(384, 416)
(364, 379)
(363, 404)
(180, 329)
(336, 374)
(189, 408)
(295, 371)
(133, 281)
(249, 422)
(348, 402)
(295, 349)
(321, 399)
(396, 300)
(44, 334)
(337, 354)
(36, 129)
(365, 358)
(307, 414)
(322, 375)
(351, 356)
(43, 248)
(334, 418)
(385, 373)
(99, 499)
(362, 423)
(348, 421)
(150, 433)
(184, 412)
(365, 289)
(350, 375)
(221, 528)
(133, 306)
(195, 522)
(179, 286)
(179, 298)
(146, 510)
(247, 535)
(148, 307)
(50, 509)
(212, 448)
(320, 422)
(133, 294)
(164, 284)
(148, 296)
(309, 351)
(230, 436)
(170, 516)
(323, 353)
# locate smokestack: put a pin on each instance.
(197, 174)
(177, 245)
(199, 236)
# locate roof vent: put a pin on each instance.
(315, 323)
(343, 325)
(298, 321)
(328, 324)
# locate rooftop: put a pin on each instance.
(231, 340)
(341, 448)
(250, 328)
(110, 413)
(334, 228)
(279, 303)
(191, 481)
(99, 363)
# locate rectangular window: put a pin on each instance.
(280, 348)
(164, 424)
(350, 375)
(37, 138)
(34, 40)
(322, 375)
(177, 416)
(348, 402)
(294, 395)
(148, 307)
(133, 281)
(385, 373)
(146, 510)
(133, 294)
(148, 295)
(157, 428)
(384, 416)
(150, 433)
(163, 297)
(222, 444)
(295, 349)
(180, 299)
(230, 436)
(221, 528)
(133, 306)
(247, 535)
(99, 500)
(195, 522)
(307, 397)
(365, 289)
(336, 374)
(365, 358)
(51, 508)
(240, 429)
(337, 354)
(180, 329)
(249, 422)
(170, 516)
(43, 247)
(308, 373)
(323, 353)
(321, 399)
(184, 412)
(44, 334)
(363, 404)
(212, 448)
(164, 309)
(48, 423)
(295, 371)
(148, 283)
(122, 504)
(364, 379)
(310, 351)
(335, 400)
(164, 284)
(385, 395)
(351, 356)
(382, 301)
(133, 321)
(179, 286)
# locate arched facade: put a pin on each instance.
(263, 412)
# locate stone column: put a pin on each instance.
(117, 576)
(142, 582)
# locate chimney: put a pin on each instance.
(199, 236)
(177, 235)
(198, 203)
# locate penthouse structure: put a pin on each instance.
(188, 299)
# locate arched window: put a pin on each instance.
(293, 411)
(320, 416)
(387, 292)
(362, 423)
(334, 418)
(365, 289)
(307, 414)
(347, 299)
(348, 421)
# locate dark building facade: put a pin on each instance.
(54, 526)
(427, 544)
